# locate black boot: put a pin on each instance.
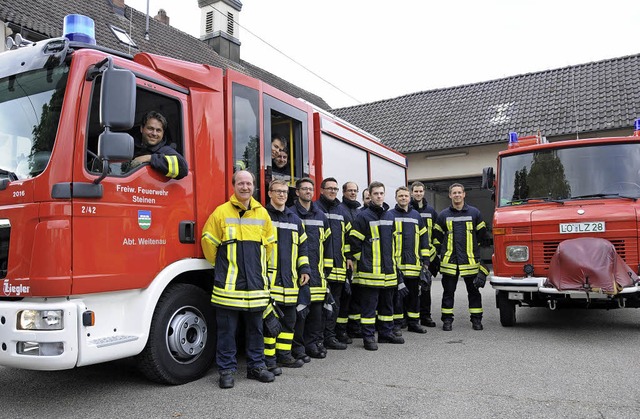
(390, 339)
(370, 344)
(334, 343)
(447, 324)
(417, 328)
(427, 321)
(476, 323)
(344, 337)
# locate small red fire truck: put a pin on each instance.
(99, 263)
(566, 224)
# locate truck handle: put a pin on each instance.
(187, 232)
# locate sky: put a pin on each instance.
(360, 51)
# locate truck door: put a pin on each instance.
(141, 222)
(251, 138)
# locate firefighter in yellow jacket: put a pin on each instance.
(237, 239)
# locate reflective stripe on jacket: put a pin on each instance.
(429, 216)
(459, 233)
(237, 242)
(372, 246)
(412, 247)
(339, 222)
(289, 258)
(316, 225)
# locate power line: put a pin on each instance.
(292, 59)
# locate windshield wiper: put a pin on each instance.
(539, 198)
(604, 195)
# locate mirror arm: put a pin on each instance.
(105, 170)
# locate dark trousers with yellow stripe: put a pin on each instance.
(425, 304)
(308, 331)
(280, 347)
(410, 305)
(380, 299)
(353, 324)
(449, 284)
(330, 325)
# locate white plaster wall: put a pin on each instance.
(220, 18)
(471, 164)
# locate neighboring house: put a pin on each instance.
(450, 134)
(124, 29)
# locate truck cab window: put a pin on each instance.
(145, 101)
(30, 107)
(246, 133)
(287, 154)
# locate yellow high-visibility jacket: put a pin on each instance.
(237, 241)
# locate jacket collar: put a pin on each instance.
(141, 147)
(464, 208)
(253, 204)
(378, 210)
(350, 203)
(416, 204)
(329, 204)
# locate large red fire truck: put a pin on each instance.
(99, 263)
(566, 224)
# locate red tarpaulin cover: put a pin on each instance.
(589, 264)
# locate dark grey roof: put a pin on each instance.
(46, 18)
(603, 95)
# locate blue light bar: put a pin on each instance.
(513, 137)
(637, 124)
(79, 28)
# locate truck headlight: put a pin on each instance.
(517, 253)
(40, 320)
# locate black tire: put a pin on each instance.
(182, 338)
(507, 309)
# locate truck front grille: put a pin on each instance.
(549, 249)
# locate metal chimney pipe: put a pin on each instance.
(146, 30)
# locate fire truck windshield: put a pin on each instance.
(30, 105)
(586, 172)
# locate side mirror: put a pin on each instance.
(115, 146)
(488, 178)
(117, 98)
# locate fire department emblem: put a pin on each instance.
(144, 219)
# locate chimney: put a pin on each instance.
(162, 17)
(118, 6)
(220, 27)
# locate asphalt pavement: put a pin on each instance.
(564, 363)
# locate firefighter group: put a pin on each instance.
(318, 274)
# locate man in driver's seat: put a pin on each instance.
(152, 148)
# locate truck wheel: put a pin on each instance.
(507, 309)
(181, 345)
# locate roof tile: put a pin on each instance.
(587, 97)
(46, 18)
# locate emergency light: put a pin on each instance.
(79, 28)
(637, 127)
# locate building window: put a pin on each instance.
(123, 36)
(230, 23)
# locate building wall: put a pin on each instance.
(458, 163)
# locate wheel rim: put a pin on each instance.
(187, 334)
